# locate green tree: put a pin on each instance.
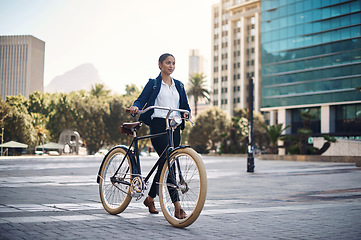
(19, 102)
(197, 89)
(236, 139)
(98, 90)
(208, 131)
(131, 94)
(18, 122)
(4, 110)
(39, 103)
(132, 90)
(274, 133)
(38, 108)
(233, 139)
(63, 116)
(116, 117)
(90, 123)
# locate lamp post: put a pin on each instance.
(2, 140)
(250, 159)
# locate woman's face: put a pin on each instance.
(168, 65)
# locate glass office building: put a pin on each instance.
(311, 59)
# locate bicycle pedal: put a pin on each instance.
(137, 196)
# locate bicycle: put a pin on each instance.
(183, 173)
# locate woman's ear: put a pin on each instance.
(159, 64)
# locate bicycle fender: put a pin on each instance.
(132, 158)
(177, 148)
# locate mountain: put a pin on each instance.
(81, 77)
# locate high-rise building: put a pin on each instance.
(311, 60)
(21, 65)
(196, 62)
(235, 53)
(196, 65)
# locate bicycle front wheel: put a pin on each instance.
(114, 189)
(190, 175)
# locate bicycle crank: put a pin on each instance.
(137, 187)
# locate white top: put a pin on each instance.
(168, 97)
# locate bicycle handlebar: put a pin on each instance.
(169, 109)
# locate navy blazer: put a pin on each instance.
(150, 93)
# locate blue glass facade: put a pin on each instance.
(311, 53)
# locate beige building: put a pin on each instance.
(236, 54)
(196, 62)
(21, 65)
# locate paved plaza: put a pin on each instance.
(57, 198)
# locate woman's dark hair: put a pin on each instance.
(164, 56)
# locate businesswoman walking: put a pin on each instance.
(163, 91)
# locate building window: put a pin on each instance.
(299, 122)
(348, 119)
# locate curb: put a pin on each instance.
(313, 158)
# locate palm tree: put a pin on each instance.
(98, 90)
(274, 133)
(197, 89)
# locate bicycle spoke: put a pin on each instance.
(187, 167)
(114, 189)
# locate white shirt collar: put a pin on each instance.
(172, 85)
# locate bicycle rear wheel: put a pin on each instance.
(191, 189)
(115, 195)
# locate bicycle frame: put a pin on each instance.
(134, 154)
(166, 151)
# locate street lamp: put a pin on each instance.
(250, 159)
(2, 140)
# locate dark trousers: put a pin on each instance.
(160, 143)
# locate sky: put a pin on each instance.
(123, 39)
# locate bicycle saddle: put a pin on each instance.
(129, 128)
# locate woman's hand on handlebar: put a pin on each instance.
(133, 110)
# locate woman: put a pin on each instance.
(166, 92)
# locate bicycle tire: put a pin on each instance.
(115, 197)
(192, 198)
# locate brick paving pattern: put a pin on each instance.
(57, 198)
